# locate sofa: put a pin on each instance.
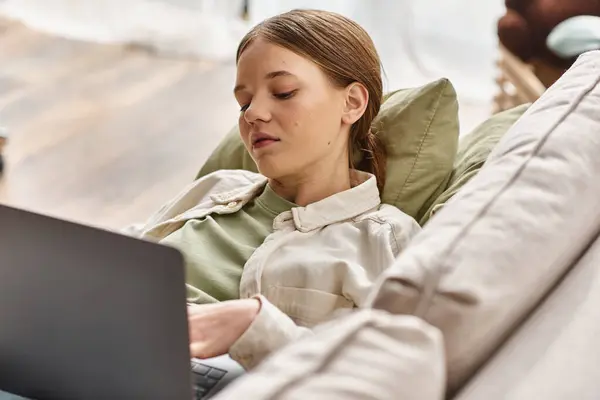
(496, 297)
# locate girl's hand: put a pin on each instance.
(214, 328)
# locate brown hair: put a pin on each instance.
(346, 54)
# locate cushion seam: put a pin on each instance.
(433, 277)
(423, 138)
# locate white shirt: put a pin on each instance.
(319, 258)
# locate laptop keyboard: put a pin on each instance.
(205, 378)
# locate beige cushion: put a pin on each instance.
(473, 150)
(555, 354)
(420, 130)
(505, 239)
(367, 355)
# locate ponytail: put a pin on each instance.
(373, 157)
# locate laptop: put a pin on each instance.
(91, 314)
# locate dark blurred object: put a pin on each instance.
(526, 25)
(246, 9)
(3, 140)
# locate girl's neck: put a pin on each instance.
(313, 184)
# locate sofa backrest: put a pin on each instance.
(555, 354)
(500, 244)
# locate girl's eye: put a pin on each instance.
(244, 107)
(285, 96)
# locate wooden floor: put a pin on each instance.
(104, 134)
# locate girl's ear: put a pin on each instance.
(356, 101)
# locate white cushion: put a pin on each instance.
(484, 261)
(366, 355)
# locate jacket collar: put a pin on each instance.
(242, 194)
(362, 197)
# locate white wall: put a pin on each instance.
(420, 40)
(207, 29)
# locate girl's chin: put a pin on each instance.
(272, 171)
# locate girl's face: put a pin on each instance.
(291, 113)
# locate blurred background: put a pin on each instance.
(112, 106)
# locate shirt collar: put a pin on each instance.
(242, 194)
(360, 198)
(272, 202)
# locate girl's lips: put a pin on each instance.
(264, 143)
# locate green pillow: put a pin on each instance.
(419, 127)
(473, 151)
